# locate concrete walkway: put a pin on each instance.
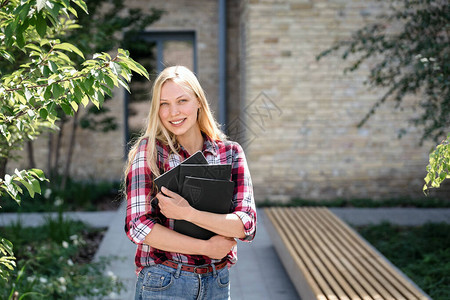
(258, 273)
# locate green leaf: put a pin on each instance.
(124, 84)
(28, 186)
(39, 174)
(85, 100)
(8, 246)
(52, 66)
(36, 185)
(109, 81)
(115, 68)
(57, 90)
(48, 93)
(41, 25)
(78, 93)
(82, 5)
(20, 41)
(69, 47)
(43, 113)
(6, 55)
(66, 108)
(34, 47)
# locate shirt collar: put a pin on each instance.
(209, 145)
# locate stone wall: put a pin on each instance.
(301, 115)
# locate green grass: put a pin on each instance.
(422, 253)
(423, 202)
(54, 261)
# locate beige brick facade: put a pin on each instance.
(296, 117)
(302, 114)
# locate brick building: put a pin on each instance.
(296, 117)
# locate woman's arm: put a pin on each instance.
(169, 240)
(176, 207)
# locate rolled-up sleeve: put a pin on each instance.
(244, 203)
(138, 220)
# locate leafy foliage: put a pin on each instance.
(32, 94)
(411, 47)
(422, 253)
(54, 262)
(47, 80)
(439, 165)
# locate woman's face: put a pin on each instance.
(178, 109)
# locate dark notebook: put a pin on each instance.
(170, 178)
(205, 194)
(221, 172)
(206, 187)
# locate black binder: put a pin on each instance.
(170, 178)
(211, 195)
(221, 172)
(206, 187)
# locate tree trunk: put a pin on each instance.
(3, 162)
(50, 155)
(70, 150)
(30, 151)
(58, 147)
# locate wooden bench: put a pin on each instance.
(326, 259)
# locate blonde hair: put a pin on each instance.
(155, 129)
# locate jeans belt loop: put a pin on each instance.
(214, 270)
(178, 272)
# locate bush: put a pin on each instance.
(78, 195)
(54, 262)
(422, 253)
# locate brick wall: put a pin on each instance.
(301, 115)
(99, 156)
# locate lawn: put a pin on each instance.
(422, 253)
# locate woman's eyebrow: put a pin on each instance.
(181, 96)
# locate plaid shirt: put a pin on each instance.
(141, 215)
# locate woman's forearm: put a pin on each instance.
(229, 225)
(166, 239)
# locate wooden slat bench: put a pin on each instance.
(327, 260)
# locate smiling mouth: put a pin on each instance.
(178, 122)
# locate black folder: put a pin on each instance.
(211, 195)
(206, 187)
(170, 178)
(221, 172)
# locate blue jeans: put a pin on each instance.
(163, 282)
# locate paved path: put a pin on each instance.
(258, 273)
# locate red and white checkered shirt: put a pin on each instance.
(142, 215)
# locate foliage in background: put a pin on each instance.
(438, 168)
(53, 263)
(47, 81)
(422, 253)
(364, 202)
(408, 49)
(76, 196)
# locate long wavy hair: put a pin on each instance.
(155, 129)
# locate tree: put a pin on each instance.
(438, 168)
(410, 44)
(46, 81)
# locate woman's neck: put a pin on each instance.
(192, 142)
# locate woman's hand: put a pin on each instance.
(218, 246)
(173, 206)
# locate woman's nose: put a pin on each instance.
(174, 110)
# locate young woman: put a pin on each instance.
(171, 265)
